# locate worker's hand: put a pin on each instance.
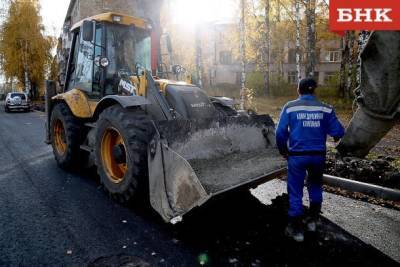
(285, 156)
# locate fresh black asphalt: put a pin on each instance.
(51, 217)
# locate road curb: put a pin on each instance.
(356, 186)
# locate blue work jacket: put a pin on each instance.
(306, 123)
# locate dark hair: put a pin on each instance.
(307, 86)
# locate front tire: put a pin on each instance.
(6, 109)
(121, 152)
(66, 137)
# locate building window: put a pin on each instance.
(329, 77)
(333, 56)
(292, 77)
(225, 57)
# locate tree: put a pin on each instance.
(298, 22)
(26, 52)
(311, 38)
(199, 58)
(267, 47)
(242, 29)
(348, 66)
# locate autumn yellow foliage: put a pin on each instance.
(23, 45)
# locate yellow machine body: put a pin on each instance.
(78, 103)
(112, 18)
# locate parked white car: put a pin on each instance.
(17, 101)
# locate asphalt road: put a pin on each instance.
(52, 217)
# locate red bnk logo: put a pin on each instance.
(364, 15)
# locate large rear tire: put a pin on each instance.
(121, 152)
(66, 137)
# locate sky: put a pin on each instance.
(53, 13)
(188, 12)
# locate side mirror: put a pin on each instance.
(87, 31)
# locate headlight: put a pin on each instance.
(104, 62)
(116, 18)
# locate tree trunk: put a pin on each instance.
(297, 11)
(343, 65)
(199, 59)
(362, 42)
(266, 52)
(242, 54)
(280, 48)
(34, 91)
(351, 83)
(311, 42)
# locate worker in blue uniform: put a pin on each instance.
(301, 137)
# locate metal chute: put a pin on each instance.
(193, 160)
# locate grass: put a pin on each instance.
(273, 105)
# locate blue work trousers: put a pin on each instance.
(299, 167)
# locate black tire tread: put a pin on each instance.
(134, 128)
(74, 136)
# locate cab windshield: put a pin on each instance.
(127, 47)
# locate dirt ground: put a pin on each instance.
(381, 166)
(388, 146)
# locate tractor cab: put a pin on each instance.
(107, 51)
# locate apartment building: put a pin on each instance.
(222, 66)
(329, 56)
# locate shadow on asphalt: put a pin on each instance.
(236, 229)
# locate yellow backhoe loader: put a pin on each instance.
(164, 140)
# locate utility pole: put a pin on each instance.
(297, 8)
(242, 54)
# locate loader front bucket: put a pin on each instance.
(191, 161)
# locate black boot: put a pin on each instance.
(295, 229)
(313, 217)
